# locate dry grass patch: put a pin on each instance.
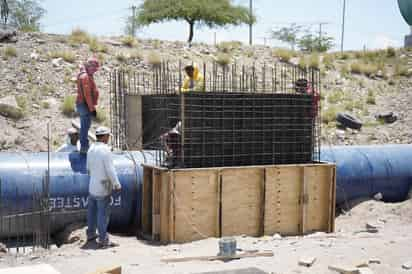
(129, 41)
(78, 37)
(68, 106)
(154, 58)
(9, 52)
(329, 115)
(96, 47)
(283, 54)
(223, 59)
(67, 56)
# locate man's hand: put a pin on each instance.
(117, 188)
(94, 114)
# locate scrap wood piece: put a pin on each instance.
(344, 269)
(110, 270)
(220, 258)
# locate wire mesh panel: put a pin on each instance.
(231, 129)
(25, 218)
(236, 116)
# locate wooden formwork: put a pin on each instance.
(184, 205)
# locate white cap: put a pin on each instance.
(71, 131)
(102, 131)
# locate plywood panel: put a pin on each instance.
(320, 182)
(195, 205)
(282, 205)
(147, 201)
(242, 201)
(156, 183)
(164, 207)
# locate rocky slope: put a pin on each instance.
(39, 71)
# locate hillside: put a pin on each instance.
(40, 69)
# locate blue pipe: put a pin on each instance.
(23, 174)
(363, 171)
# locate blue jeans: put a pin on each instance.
(85, 123)
(98, 214)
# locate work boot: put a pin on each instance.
(107, 244)
(92, 238)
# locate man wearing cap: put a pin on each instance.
(71, 142)
(194, 80)
(86, 102)
(103, 181)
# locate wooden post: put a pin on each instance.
(172, 206)
(147, 201)
(134, 119)
(332, 199)
(156, 205)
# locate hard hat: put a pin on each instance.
(102, 131)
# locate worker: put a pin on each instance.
(72, 141)
(87, 98)
(171, 143)
(303, 86)
(193, 81)
(103, 182)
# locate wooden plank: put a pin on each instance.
(110, 270)
(282, 203)
(322, 164)
(164, 206)
(304, 200)
(319, 205)
(147, 201)
(219, 205)
(241, 201)
(195, 205)
(333, 201)
(172, 215)
(220, 258)
(262, 204)
(156, 182)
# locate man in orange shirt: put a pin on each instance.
(86, 102)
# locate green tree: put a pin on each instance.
(288, 35)
(26, 14)
(311, 42)
(211, 13)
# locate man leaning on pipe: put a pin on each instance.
(86, 102)
(103, 181)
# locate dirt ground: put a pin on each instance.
(350, 245)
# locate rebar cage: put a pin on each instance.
(241, 115)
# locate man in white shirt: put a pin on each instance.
(71, 142)
(103, 180)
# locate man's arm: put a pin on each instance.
(185, 86)
(109, 169)
(88, 164)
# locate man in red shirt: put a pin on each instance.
(86, 102)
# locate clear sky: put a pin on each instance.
(370, 23)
